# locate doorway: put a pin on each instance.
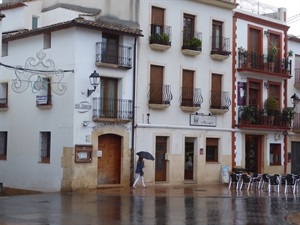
(160, 161)
(253, 153)
(189, 161)
(295, 158)
(109, 159)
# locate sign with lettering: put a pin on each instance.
(83, 106)
(203, 120)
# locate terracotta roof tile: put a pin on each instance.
(12, 5)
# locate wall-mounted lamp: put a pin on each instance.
(95, 81)
(148, 118)
(294, 99)
(266, 33)
(85, 123)
(266, 84)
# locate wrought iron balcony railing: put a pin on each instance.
(192, 40)
(191, 97)
(220, 45)
(112, 108)
(254, 61)
(220, 100)
(111, 54)
(248, 115)
(160, 34)
(160, 94)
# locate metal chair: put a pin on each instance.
(263, 180)
(254, 181)
(296, 182)
(234, 179)
(245, 179)
(289, 182)
(274, 181)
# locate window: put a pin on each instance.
(4, 48)
(187, 88)
(156, 84)
(217, 36)
(255, 44)
(212, 149)
(3, 145)
(216, 91)
(109, 96)
(3, 95)
(157, 20)
(275, 154)
(255, 94)
(274, 91)
(109, 48)
(45, 140)
(43, 85)
(188, 26)
(35, 21)
(47, 40)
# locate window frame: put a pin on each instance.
(3, 144)
(45, 146)
(4, 98)
(275, 154)
(212, 144)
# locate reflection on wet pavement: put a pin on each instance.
(154, 205)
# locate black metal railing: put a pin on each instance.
(160, 34)
(261, 62)
(112, 108)
(160, 94)
(118, 55)
(220, 100)
(43, 100)
(192, 40)
(3, 102)
(191, 97)
(220, 45)
(248, 115)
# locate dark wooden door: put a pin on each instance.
(189, 161)
(187, 88)
(295, 160)
(253, 153)
(110, 163)
(156, 85)
(216, 91)
(160, 161)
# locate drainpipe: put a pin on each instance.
(133, 113)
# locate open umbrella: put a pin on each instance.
(145, 155)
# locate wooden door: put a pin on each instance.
(157, 20)
(109, 93)
(189, 161)
(253, 153)
(216, 91)
(110, 163)
(295, 158)
(156, 85)
(160, 162)
(187, 88)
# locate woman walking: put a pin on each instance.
(139, 171)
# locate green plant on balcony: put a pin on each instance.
(273, 50)
(271, 105)
(193, 43)
(157, 38)
(288, 115)
(247, 114)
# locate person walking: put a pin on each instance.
(139, 171)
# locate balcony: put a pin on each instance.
(219, 102)
(108, 55)
(220, 48)
(44, 101)
(226, 4)
(257, 63)
(112, 110)
(191, 99)
(192, 43)
(159, 96)
(250, 117)
(3, 104)
(160, 37)
(297, 78)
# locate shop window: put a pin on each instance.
(212, 149)
(275, 154)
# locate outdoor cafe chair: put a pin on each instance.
(274, 181)
(254, 181)
(296, 183)
(263, 181)
(244, 180)
(289, 182)
(234, 179)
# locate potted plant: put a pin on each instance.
(273, 50)
(287, 62)
(247, 114)
(288, 115)
(271, 107)
(193, 44)
(163, 39)
(243, 57)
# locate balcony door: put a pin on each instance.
(157, 20)
(109, 93)
(188, 26)
(187, 87)
(216, 91)
(156, 84)
(109, 48)
(217, 36)
(255, 94)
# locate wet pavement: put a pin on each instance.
(159, 205)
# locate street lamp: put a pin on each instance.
(95, 81)
(294, 99)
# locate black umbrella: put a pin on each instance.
(145, 155)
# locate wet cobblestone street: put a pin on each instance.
(160, 205)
